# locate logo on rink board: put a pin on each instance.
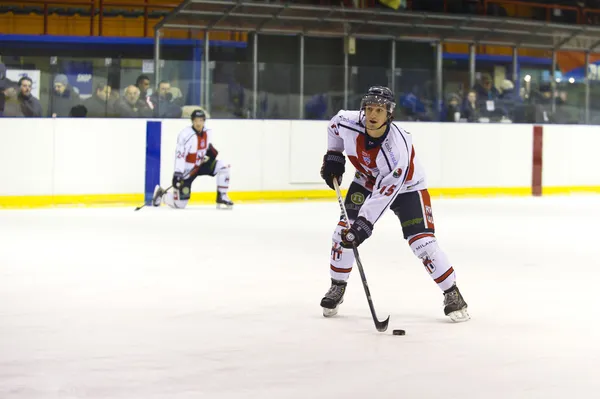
(357, 198)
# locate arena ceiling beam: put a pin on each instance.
(374, 23)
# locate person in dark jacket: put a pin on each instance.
(99, 104)
(164, 105)
(131, 105)
(12, 107)
(64, 97)
(30, 106)
(4, 83)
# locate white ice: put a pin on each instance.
(160, 303)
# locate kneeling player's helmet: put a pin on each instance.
(379, 95)
(198, 113)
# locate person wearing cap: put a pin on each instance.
(64, 97)
(195, 156)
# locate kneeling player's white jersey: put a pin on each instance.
(191, 148)
(387, 166)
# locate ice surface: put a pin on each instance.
(200, 303)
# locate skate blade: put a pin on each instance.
(459, 316)
(330, 312)
(223, 206)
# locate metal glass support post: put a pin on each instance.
(254, 75)
(393, 66)
(346, 79)
(515, 68)
(472, 56)
(206, 83)
(438, 68)
(157, 56)
(301, 88)
(553, 81)
(586, 79)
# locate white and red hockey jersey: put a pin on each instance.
(191, 149)
(386, 166)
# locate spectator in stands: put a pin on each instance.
(12, 107)
(471, 107)
(63, 98)
(30, 106)
(162, 100)
(3, 84)
(485, 89)
(143, 84)
(453, 113)
(316, 107)
(78, 111)
(99, 104)
(131, 105)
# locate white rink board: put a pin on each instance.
(107, 156)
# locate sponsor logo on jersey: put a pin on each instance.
(429, 266)
(336, 252)
(366, 158)
(357, 198)
(429, 214)
(412, 222)
(388, 147)
(335, 129)
(397, 173)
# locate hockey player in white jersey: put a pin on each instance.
(388, 175)
(195, 156)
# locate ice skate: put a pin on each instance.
(223, 201)
(333, 298)
(157, 197)
(455, 306)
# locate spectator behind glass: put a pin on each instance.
(12, 107)
(143, 84)
(63, 98)
(99, 104)
(78, 111)
(30, 106)
(131, 105)
(164, 107)
(471, 108)
(453, 113)
(3, 84)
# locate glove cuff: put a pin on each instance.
(362, 225)
(335, 156)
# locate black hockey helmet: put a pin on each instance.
(198, 113)
(379, 95)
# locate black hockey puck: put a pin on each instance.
(399, 332)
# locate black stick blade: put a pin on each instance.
(382, 326)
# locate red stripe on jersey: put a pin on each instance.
(202, 141)
(418, 237)
(340, 270)
(411, 167)
(444, 276)
(191, 157)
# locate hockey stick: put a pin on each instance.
(381, 326)
(192, 172)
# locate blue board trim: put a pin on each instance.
(153, 142)
(109, 40)
(506, 59)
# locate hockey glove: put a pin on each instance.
(360, 230)
(211, 152)
(177, 180)
(333, 165)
